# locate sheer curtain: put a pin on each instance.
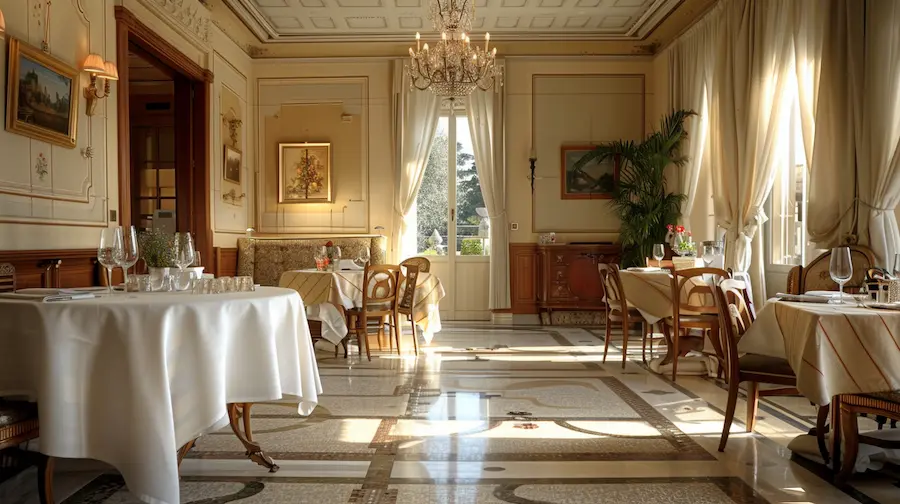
(828, 45)
(691, 63)
(879, 162)
(746, 120)
(416, 115)
(485, 113)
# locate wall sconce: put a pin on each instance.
(532, 158)
(99, 69)
(233, 196)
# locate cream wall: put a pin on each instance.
(595, 122)
(65, 206)
(342, 101)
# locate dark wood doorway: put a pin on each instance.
(181, 170)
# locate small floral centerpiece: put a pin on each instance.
(157, 249)
(333, 255)
(682, 241)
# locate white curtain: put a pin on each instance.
(879, 161)
(828, 45)
(753, 70)
(416, 115)
(485, 113)
(691, 64)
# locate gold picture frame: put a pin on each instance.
(232, 160)
(304, 172)
(42, 103)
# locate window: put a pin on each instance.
(451, 218)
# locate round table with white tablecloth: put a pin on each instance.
(129, 378)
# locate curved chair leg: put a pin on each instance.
(752, 404)
(396, 330)
(608, 337)
(625, 324)
(850, 432)
(729, 412)
(675, 337)
(185, 449)
(821, 419)
(45, 479)
(415, 334)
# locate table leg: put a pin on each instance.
(239, 413)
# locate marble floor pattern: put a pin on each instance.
(497, 415)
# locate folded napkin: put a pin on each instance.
(644, 269)
(884, 306)
(47, 295)
(350, 265)
(801, 298)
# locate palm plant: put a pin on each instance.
(640, 197)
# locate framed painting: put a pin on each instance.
(592, 181)
(232, 165)
(41, 99)
(304, 173)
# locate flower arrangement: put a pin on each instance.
(157, 249)
(682, 241)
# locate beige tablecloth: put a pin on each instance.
(325, 293)
(833, 349)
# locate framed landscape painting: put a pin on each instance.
(592, 181)
(232, 162)
(304, 173)
(42, 97)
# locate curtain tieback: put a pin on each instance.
(878, 210)
(743, 252)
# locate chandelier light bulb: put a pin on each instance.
(418, 42)
(443, 35)
(411, 53)
(467, 40)
(493, 53)
(426, 47)
(487, 38)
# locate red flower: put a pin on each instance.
(329, 243)
(679, 229)
(669, 227)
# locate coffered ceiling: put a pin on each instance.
(397, 20)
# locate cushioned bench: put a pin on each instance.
(265, 259)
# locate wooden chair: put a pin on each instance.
(886, 404)
(422, 263)
(406, 304)
(816, 275)
(379, 289)
(617, 311)
(18, 424)
(7, 277)
(693, 309)
(734, 320)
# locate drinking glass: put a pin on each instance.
(841, 269)
(659, 251)
(709, 254)
(110, 244)
(321, 255)
(363, 257)
(128, 253)
(336, 260)
(896, 270)
(184, 250)
(245, 284)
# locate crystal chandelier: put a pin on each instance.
(453, 67)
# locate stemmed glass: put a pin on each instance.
(184, 252)
(127, 254)
(709, 254)
(659, 251)
(363, 257)
(110, 244)
(841, 269)
(896, 270)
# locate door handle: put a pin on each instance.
(452, 214)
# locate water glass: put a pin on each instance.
(138, 283)
(363, 258)
(109, 249)
(896, 270)
(200, 285)
(841, 269)
(659, 251)
(708, 254)
(245, 284)
(321, 257)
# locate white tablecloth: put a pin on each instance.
(129, 378)
(326, 293)
(833, 349)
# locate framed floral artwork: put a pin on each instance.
(42, 95)
(304, 172)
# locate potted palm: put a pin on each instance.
(640, 197)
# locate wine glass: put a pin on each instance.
(841, 269)
(896, 270)
(106, 253)
(709, 254)
(659, 251)
(128, 252)
(336, 260)
(184, 250)
(363, 257)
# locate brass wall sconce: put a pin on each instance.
(233, 196)
(99, 69)
(532, 159)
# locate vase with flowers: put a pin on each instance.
(332, 256)
(681, 240)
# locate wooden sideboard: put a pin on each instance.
(569, 277)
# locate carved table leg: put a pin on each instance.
(239, 413)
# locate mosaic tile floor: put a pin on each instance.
(496, 415)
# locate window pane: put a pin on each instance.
(472, 224)
(788, 224)
(432, 208)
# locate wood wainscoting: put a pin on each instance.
(56, 268)
(226, 261)
(524, 279)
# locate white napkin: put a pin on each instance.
(349, 264)
(801, 298)
(52, 298)
(644, 268)
(884, 306)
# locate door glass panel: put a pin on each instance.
(472, 224)
(432, 207)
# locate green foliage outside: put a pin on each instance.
(472, 246)
(640, 197)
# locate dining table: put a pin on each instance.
(132, 379)
(328, 294)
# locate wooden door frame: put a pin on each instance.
(130, 29)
